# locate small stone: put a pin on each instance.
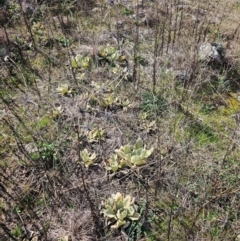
(212, 53)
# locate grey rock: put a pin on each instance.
(212, 53)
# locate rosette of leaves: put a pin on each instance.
(109, 53)
(107, 100)
(80, 61)
(57, 112)
(135, 155)
(146, 124)
(87, 158)
(120, 210)
(38, 28)
(96, 135)
(114, 164)
(64, 89)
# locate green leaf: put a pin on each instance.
(74, 63)
(118, 224)
(137, 160)
(117, 197)
(109, 213)
(139, 152)
(87, 158)
(120, 205)
(127, 201)
(122, 214)
(109, 202)
(121, 153)
(148, 152)
(131, 211)
(136, 216)
(127, 149)
(138, 144)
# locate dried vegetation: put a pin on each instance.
(104, 99)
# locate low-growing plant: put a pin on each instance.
(80, 61)
(96, 135)
(208, 108)
(64, 89)
(120, 210)
(38, 28)
(135, 155)
(136, 229)
(127, 11)
(65, 238)
(114, 163)
(109, 53)
(153, 104)
(105, 101)
(128, 156)
(87, 158)
(48, 155)
(17, 232)
(146, 124)
(64, 41)
(123, 103)
(100, 86)
(57, 112)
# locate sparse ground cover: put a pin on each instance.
(117, 123)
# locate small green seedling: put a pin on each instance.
(107, 100)
(57, 112)
(114, 164)
(38, 28)
(120, 210)
(146, 124)
(64, 89)
(134, 155)
(17, 232)
(98, 86)
(64, 41)
(123, 103)
(96, 135)
(80, 61)
(87, 158)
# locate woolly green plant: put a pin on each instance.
(109, 53)
(64, 89)
(114, 164)
(80, 61)
(134, 155)
(96, 135)
(87, 158)
(57, 112)
(120, 210)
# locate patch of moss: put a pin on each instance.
(232, 105)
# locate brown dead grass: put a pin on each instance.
(190, 183)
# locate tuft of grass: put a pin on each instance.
(153, 104)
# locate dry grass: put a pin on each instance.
(156, 90)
